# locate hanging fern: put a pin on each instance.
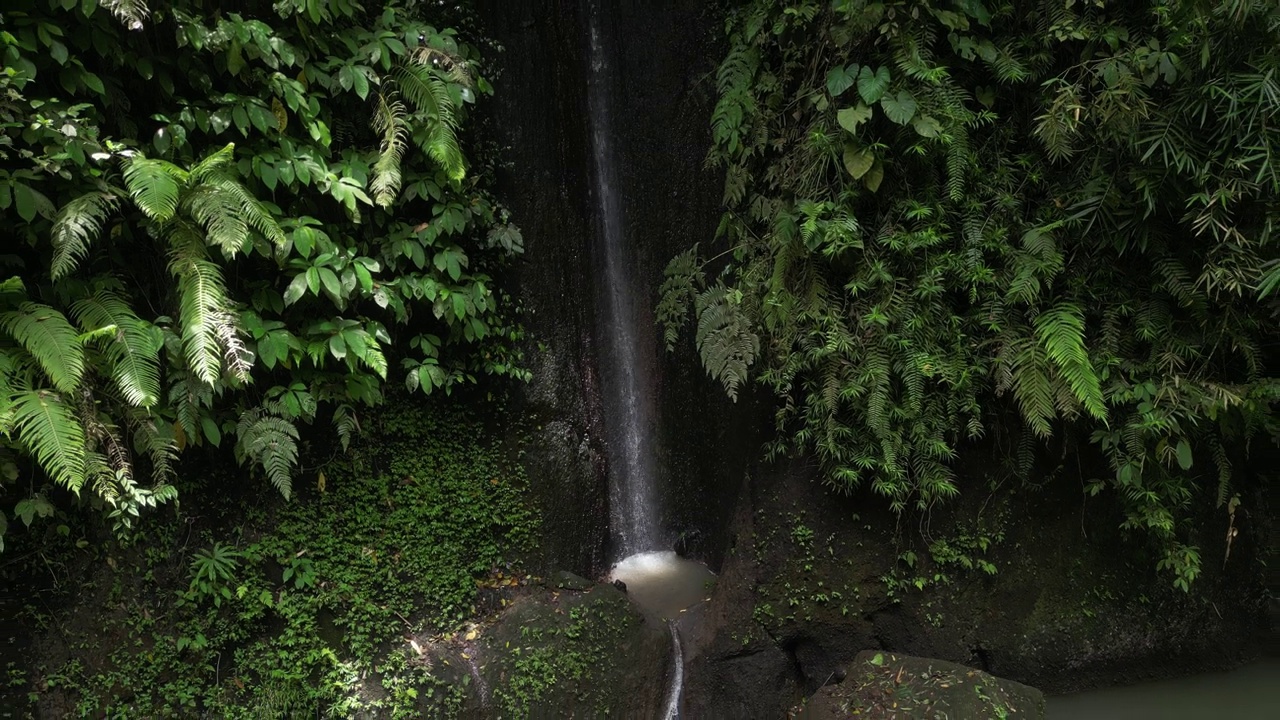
(202, 299)
(420, 85)
(725, 338)
(78, 225)
(272, 443)
(389, 122)
(51, 340)
(154, 185)
(48, 429)
(132, 346)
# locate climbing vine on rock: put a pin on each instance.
(222, 224)
(940, 211)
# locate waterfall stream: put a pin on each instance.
(628, 385)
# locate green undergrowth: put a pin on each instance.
(244, 609)
(563, 657)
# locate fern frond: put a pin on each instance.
(202, 296)
(133, 349)
(389, 122)
(77, 226)
(682, 278)
(214, 163)
(1032, 387)
(154, 185)
(725, 339)
(51, 340)
(272, 442)
(426, 91)
(1061, 333)
(48, 429)
(346, 424)
(130, 12)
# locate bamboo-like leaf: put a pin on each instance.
(51, 340)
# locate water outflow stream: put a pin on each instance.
(666, 584)
(627, 382)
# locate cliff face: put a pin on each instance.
(809, 579)
(661, 88)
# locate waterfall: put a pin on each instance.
(627, 385)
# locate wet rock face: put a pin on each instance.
(661, 60)
(887, 685)
(812, 579)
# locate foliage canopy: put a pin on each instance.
(938, 212)
(219, 224)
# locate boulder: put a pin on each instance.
(888, 685)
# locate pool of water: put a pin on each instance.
(663, 582)
(1248, 693)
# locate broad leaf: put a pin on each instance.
(899, 108)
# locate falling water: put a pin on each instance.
(627, 385)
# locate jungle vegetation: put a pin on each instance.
(951, 220)
(223, 226)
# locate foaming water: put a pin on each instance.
(663, 582)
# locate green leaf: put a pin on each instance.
(296, 289)
(872, 85)
(331, 283)
(851, 118)
(900, 108)
(926, 126)
(840, 79)
(874, 176)
(25, 201)
(858, 160)
(211, 431)
(1184, 455)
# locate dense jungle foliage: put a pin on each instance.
(224, 221)
(942, 213)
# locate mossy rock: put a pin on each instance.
(886, 685)
(574, 654)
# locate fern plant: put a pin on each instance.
(939, 211)
(175, 289)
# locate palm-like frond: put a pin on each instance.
(77, 226)
(202, 297)
(51, 340)
(133, 347)
(49, 430)
(389, 122)
(422, 87)
(154, 185)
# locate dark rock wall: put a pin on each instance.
(540, 119)
(663, 59)
(813, 578)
